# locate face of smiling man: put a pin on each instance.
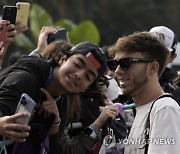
(76, 74)
(134, 79)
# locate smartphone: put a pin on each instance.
(22, 12)
(61, 34)
(9, 13)
(26, 104)
(3, 33)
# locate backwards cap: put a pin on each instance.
(94, 54)
(170, 40)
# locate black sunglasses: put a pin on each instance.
(125, 63)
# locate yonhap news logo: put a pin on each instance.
(109, 141)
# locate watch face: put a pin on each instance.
(88, 131)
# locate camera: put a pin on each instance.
(26, 104)
(24, 101)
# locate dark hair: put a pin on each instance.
(145, 43)
(95, 90)
(108, 55)
(55, 51)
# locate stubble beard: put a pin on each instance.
(138, 82)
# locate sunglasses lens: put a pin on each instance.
(124, 63)
(112, 64)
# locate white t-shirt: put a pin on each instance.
(164, 133)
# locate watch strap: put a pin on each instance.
(94, 129)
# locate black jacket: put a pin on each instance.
(28, 75)
(166, 82)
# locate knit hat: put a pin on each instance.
(169, 40)
(94, 54)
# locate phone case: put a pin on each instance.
(27, 105)
(22, 12)
(9, 13)
(3, 33)
(2, 38)
(60, 35)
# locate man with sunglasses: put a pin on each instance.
(139, 60)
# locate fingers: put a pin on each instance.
(19, 27)
(42, 40)
(17, 132)
(4, 22)
(47, 109)
(112, 114)
(10, 27)
(10, 33)
(13, 30)
(101, 108)
(21, 30)
(17, 116)
(1, 43)
(108, 102)
(110, 111)
(48, 96)
(17, 127)
(49, 106)
(11, 129)
(1, 49)
(113, 108)
(47, 30)
(17, 136)
(49, 103)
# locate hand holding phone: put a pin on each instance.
(22, 12)
(2, 39)
(27, 105)
(9, 13)
(3, 29)
(61, 34)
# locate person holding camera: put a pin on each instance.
(91, 100)
(11, 32)
(75, 74)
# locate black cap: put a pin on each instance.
(94, 54)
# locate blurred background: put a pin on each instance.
(100, 21)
